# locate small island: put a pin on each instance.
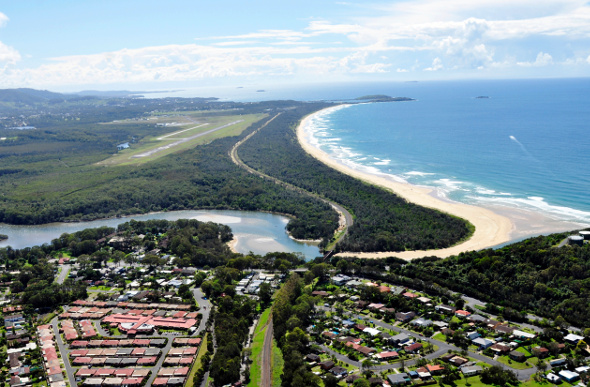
(3, 237)
(383, 98)
(482, 97)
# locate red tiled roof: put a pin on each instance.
(132, 381)
(85, 372)
(160, 382)
(124, 372)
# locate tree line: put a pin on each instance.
(383, 221)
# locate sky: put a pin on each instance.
(72, 45)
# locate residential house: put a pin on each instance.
(554, 378)
(500, 349)
(573, 339)
(389, 355)
(517, 356)
(504, 329)
(421, 322)
(399, 379)
(413, 348)
(568, 376)
(523, 335)
(458, 361)
(472, 370)
(327, 365)
(400, 338)
(339, 371)
(446, 309)
(482, 343)
(472, 335)
(540, 352)
(405, 316)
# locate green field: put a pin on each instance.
(181, 129)
(257, 346)
(197, 363)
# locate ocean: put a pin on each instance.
(516, 144)
(524, 145)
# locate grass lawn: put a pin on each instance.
(197, 364)
(276, 365)
(105, 288)
(257, 346)
(185, 131)
(513, 364)
(440, 337)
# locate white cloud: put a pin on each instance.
(3, 19)
(8, 55)
(436, 65)
(402, 36)
(543, 59)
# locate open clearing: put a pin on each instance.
(189, 132)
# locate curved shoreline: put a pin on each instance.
(491, 229)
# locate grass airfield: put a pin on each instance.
(180, 133)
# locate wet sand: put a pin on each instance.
(492, 228)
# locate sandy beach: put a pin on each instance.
(491, 227)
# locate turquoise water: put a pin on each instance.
(258, 232)
(526, 146)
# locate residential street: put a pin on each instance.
(443, 349)
(64, 353)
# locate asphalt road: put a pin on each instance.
(65, 270)
(205, 306)
(348, 220)
(64, 353)
(70, 371)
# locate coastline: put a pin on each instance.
(491, 228)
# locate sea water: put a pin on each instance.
(515, 143)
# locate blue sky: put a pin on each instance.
(69, 45)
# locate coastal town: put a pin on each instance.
(145, 324)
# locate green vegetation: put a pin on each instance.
(277, 364)
(291, 315)
(192, 133)
(531, 275)
(383, 221)
(57, 171)
(257, 348)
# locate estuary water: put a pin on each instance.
(258, 232)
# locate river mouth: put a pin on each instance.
(256, 232)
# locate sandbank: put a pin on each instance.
(491, 228)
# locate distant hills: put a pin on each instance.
(29, 96)
(33, 96)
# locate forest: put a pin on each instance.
(383, 221)
(49, 174)
(532, 276)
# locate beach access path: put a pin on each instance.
(491, 229)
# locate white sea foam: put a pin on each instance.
(539, 204)
(382, 162)
(418, 173)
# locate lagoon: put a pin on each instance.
(258, 232)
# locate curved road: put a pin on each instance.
(345, 216)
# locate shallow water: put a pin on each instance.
(258, 232)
